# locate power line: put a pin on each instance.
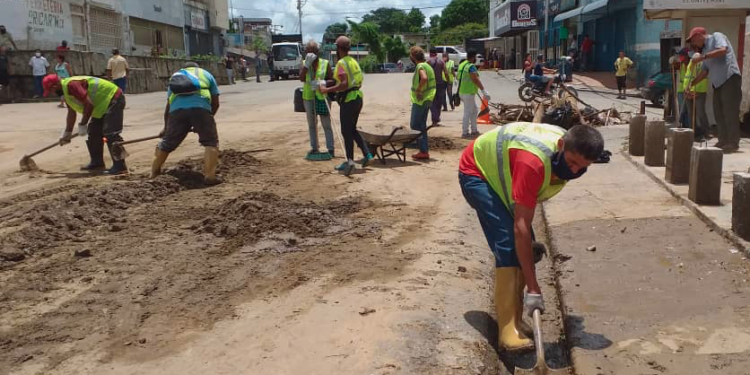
(368, 10)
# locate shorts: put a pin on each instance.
(183, 121)
(621, 82)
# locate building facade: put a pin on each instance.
(154, 28)
(515, 23)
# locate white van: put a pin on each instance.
(457, 54)
(287, 59)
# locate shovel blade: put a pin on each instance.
(27, 164)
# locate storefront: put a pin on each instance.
(199, 39)
(515, 22)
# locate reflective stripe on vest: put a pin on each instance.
(428, 93)
(354, 77)
(99, 91)
(468, 87)
(449, 67)
(320, 74)
(690, 74)
(204, 91)
(491, 154)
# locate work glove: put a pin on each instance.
(533, 301)
(82, 129)
(65, 137)
(485, 95)
(309, 60)
(697, 57)
(315, 83)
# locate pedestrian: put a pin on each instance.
(270, 67)
(450, 69)
(191, 110)
(438, 66)
(39, 65)
(118, 70)
(100, 101)
(469, 85)
(400, 65)
(63, 46)
(4, 70)
(695, 96)
(6, 39)
(423, 93)
(622, 65)
(313, 72)
(229, 62)
(348, 78)
(720, 66)
(258, 66)
(63, 70)
(680, 63)
(587, 47)
(243, 68)
(503, 175)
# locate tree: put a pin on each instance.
(435, 24)
(394, 48)
(367, 32)
(333, 31)
(457, 35)
(390, 20)
(259, 45)
(460, 12)
(415, 20)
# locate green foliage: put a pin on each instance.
(367, 32)
(415, 20)
(259, 45)
(369, 64)
(333, 31)
(457, 35)
(460, 12)
(394, 48)
(435, 24)
(390, 20)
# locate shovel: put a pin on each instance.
(118, 151)
(541, 365)
(28, 164)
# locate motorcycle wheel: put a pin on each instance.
(561, 93)
(526, 92)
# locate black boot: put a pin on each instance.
(118, 166)
(96, 153)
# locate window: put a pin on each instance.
(286, 52)
(451, 50)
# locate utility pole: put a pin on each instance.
(546, 27)
(299, 10)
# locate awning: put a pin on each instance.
(569, 14)
(486, 39)
(595, 6)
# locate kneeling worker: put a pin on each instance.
(100, 101)
(192, 102)
(534, 164)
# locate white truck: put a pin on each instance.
(287, 55)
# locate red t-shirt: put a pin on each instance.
(586, 45)
(79, 90)
(526, 170)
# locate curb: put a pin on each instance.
(693, 207)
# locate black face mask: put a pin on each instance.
(59, 92)
(561, 169)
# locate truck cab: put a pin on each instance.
(287, 59)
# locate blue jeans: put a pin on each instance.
(38, 88)
(419, 114)
(122, 83)
(497, 223)
(682, 111)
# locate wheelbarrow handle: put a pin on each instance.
(57, 143)
(136, 140)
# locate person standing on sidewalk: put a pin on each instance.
(503, 175)
(229, 63)
(6, 39)
(449, 65)
(438, 67)
(258, 66)
(423, 91)
(348, 76)
(622, 65)
(587, 47)
(118, 70)
(243, 68)
(313, 72)
(680, 64)
(63, 70)
(720, 66)
(695, 95)
(468, 87)
(39, 65)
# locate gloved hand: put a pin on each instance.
(310, 59)
(314, 83)
(532, 301)
(82, 129)
(485, 95)
(65, 137)
(697, 57)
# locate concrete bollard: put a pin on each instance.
(741, 205)
(679, 145)
(705, 175)
(654, 144)
(637, 134)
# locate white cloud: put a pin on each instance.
(318, 14)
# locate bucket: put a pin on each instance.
(299, 104)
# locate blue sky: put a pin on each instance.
(317, 14)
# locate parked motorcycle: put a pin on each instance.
(530, 91)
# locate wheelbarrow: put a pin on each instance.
(395, 143)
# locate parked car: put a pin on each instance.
(656, 88)
(455, 53)
(388, 68)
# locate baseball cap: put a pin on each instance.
(49, 81)
(695, 31)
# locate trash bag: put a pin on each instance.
(560, 116)
(299, 104)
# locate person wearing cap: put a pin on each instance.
(680, 62)
(438, 66)
(723, 72)
(423, 91)
(101, 104)
(695, 95)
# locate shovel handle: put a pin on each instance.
(538, 342)
(57, 143)
(135, 140)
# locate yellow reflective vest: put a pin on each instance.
(204, 91)
(354, 77)
(320, 74)
(100, 91)
(428, 92)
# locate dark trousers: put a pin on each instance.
(109, 125)
(448, 97)
(257, 73)
(727, 98)
(437, 104)
(349, 116)
(38, 89)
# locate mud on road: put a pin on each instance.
(130, 264)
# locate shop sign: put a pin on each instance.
(198, 19)
(523, 14)
(695, 4)
(502, 19)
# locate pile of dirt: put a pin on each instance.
(231, 163)
(247, 218)
(442, 143)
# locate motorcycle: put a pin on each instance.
(534, 90)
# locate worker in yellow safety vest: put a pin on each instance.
(503, 174)
(315, 70)
(423, 91)
(101, 104)
(449, 67)
(695, 95)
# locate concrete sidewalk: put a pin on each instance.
(661, 293)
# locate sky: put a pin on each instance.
(318, 14)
